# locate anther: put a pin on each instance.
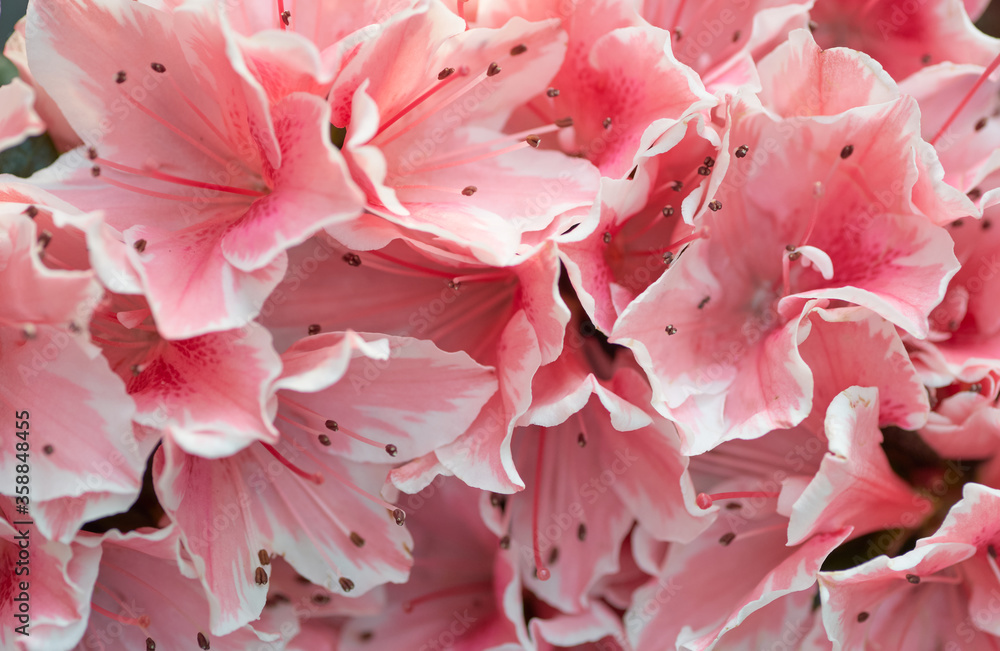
(552, 92)
(703, 302)
(263, 557)
(581, 440)
(314, 329)
(862, 617)
(120, 77)
(324, 440)
(357, 540)
(498, 501)
(607, 238)
(505, 542)
(91, 153)
(352, 259)
(991, 550)
(346, 584)
(668, 258)
(986, 224)
(670, 329)
(399, 516)
(581, 532)
(139, 245)
(679, 33)
(606, 123)
(981, 124)
(975, 387)
(925, 59)
(444, 74)
(95, 171)
(668, 211)
(31, 211)
(493, 70)
(533, 140)
(553, 556)
(203, 642)
(704, 171)
(48, 449)
(469, 190)
(150, 644)
(260, 576)
(518, 49)
(44, 238)
(320, 599)
(974, 194)
(727, 538)
(847, 151)
(391, 450)
(715, 206)
(562, 123)
(285, 16)
(676, 186)
(913, 578)
(29, 330)
(136, 370)
(736, 35)
(709, 161)
(813, 25)
(742, 151)
(157, 67)
(332, 425)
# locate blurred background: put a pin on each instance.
(12, 10)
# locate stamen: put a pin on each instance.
(705, 501)
(142, 621)
(346, 584)
(671, 330)
(518, 49)
(263, 557)
(357, 539)
(203, 642)
(968, 97)
(742, 151)
(260, 576)
(315, 478)
(677, 18)
(139, 245)
(541, 571)
(727, 538)
(170, 178)
(449, 76)
(581, 532)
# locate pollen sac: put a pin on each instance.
(727, 538)
(847, 151)
(562, 123)
(709, 161)
(715, 206)
(581, 532)
(44, 238)
(607, 238)
(91, 153)
(670, 330)
(352, 259)
(95, 171)
(285, 16)
(444, 74)
(357, 540)
(742, 151)
(552, 92)
(31, 211)
(332, 425)
(862, 617)
(120, 77)
(505, 542)
(264, 557)
(469, 190)
(260, 576)
(29, 331)
(139, 245)
(498, 501)
(913, 578)
(533, 140)
(158, 67)
(581, 440)
(150, 644)
(399, 516)
(606, 123)
(391, 450)
(346, 584)
(703, 302)
(324, 440)
(668, 258)
(203, 641)
(314, 329)
(668, 211)
(676, 186)
(704, 170)
(493, 70)
(48, 449)
(518, 49)
(981, 124)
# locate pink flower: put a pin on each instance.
(224, 180)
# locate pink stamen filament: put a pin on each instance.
(674, 246)
(540, 569)
(677, 16)
(163, 195)
(466, 588)
(340, 430)
(142, 621)
(170, 178)
(315, 478)
(475, 159)
(704, 500)
(516, 137)
(968, 97)
(419, 100)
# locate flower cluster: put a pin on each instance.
(612, 325)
